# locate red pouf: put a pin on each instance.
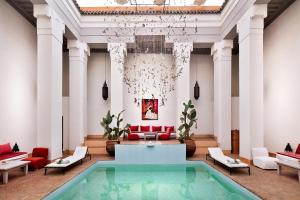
(133, 136)
(164, 136)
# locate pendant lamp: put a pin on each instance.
(196, 90)
(196, 87)
(104, 87)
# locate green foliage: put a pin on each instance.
(188, 120)
(113, 133)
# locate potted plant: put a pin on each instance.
(113, 134)
(188, 120)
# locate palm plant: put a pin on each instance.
(116, 132)
(105, 123)
(119, 131)
(188, 119)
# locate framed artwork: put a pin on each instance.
(149, 109)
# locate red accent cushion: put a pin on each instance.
(171, 127)
(5, 148)
(134, 128)
(298, 149)
(133, 136)
(145, 128)
(164, 136)
(11, 155)
(156, 128)
(36, 162)
(40, 152)
(292, 155)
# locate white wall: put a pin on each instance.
(17, 79)
(155, 63)
(281, 80)
(97, 107)
(202, 68)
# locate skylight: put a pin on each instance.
(104, 3)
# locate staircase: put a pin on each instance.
(203, 143)
(96, 144)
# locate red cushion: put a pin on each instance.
(133, 136)
(134, 128)
(40, 152)
(145, 128)
(156, 128)
(164, 136)
(11, 155)
(36, 162)
(298, 149)
(5, 148)
(171, 127)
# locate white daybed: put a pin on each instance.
(217, 155)
(79, 154)
(262, 159)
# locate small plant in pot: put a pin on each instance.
(188, 120)
(113, 134)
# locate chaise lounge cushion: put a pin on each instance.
(145, 128)
(156, 128)
(134, 128)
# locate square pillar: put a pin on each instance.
(250, 29)
(78, 55)
(182, 58)
(117, 52)
(50, 30)
(222, 55)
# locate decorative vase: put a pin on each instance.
(110, 146)
(190, 147)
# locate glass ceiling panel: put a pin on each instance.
(104, 3)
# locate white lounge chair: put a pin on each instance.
(217, 155)
(262, 159)
(79, 154)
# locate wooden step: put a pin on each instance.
(97, 150)
(201, 151)
(95, 143)
(206, 143)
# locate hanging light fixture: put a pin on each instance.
(104, 87)
(196, 87)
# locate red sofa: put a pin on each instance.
(137, 132)
(39, 158)
(6, 153)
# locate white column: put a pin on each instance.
(78, 55)
(250, 29)
(118, 53)
(50, 30)
(182, 57)
(221, 52)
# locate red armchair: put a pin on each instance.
(39, 158)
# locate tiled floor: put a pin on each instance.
(266, 184)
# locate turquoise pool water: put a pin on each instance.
(194, 180)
